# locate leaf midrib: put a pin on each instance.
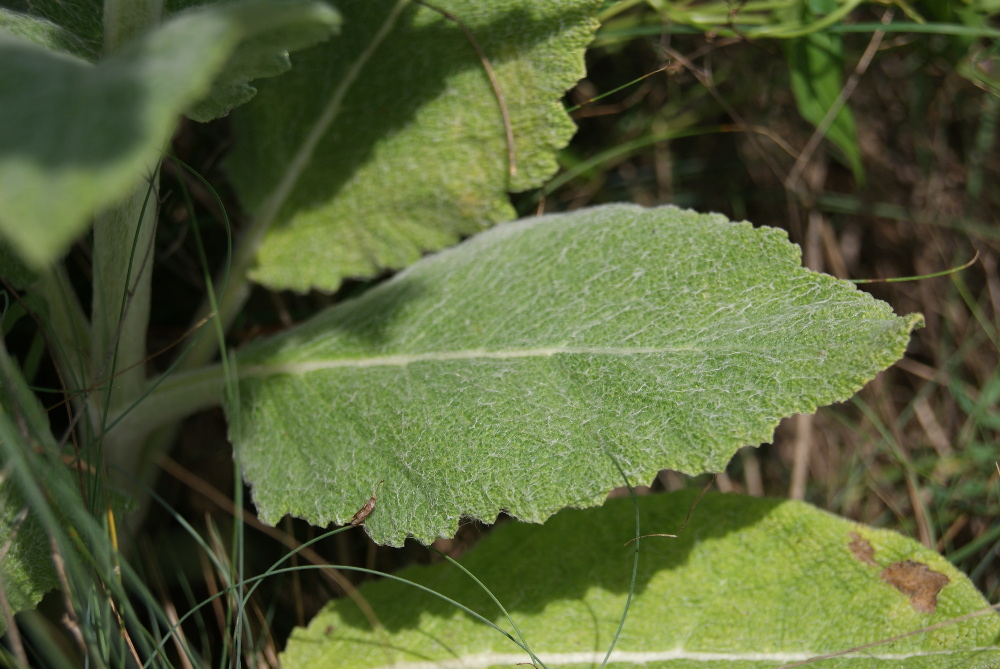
(491, 659)
(402, 360)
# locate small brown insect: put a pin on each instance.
(366, 510)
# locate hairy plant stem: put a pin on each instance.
(69, 334)
(122, 266)
(123, 248)
(178, 396)
(234, 289)
(138, 434)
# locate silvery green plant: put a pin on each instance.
(524, 370)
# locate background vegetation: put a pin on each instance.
(917, 449)
(694, 104)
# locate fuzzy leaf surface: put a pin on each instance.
(75, 136)
(264, 53)
(44, 32)
(518, 370)
(750, 583)
(26, 569)
(417, 156)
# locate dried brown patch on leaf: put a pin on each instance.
(918, 581)
(862, 549)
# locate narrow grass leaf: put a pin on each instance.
(815, 64)
(47, 500)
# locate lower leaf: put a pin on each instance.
(748, 583)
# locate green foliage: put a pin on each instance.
(75, 27)
(75, 136)
(26, 570)
(417, 155)
(13, 269)
(816, 63)
(748, 582)
(268, 33)
(536, 358)
(43, 33)
(46, 502)
(526, 370)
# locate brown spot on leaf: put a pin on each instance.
(862, 550)
(918, 581)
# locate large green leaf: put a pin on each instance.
(417, 156)
(518, 370)
(749, 583)
(76, 136)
